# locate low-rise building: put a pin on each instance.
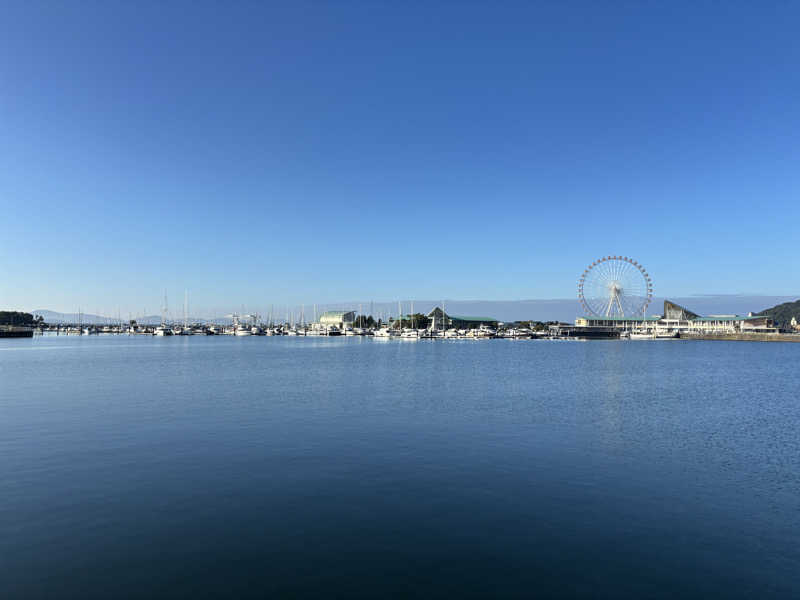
(681, 320)
(339, 318)
(441, 320)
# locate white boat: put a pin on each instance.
(242, 330)
(410, 334)
(162, 331)
(484, 331)
(384, 333)
(642, 335)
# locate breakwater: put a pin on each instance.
(15, 331)
(745, 337)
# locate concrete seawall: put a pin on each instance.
(745, 337)
(14, 331)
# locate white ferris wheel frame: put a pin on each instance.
(613, 269)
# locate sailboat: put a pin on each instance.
(387, 332)
(162, 330)
(185, 330)
(412, 333)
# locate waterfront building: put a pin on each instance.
(624, 323)
(678, 319)
(444, 321)
(337, 318)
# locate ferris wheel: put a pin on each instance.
(615, 286)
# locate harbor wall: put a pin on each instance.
(745, 337)
(14, 331)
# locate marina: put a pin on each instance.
(614, 291)
(676, 323)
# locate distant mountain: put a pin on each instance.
(54, 317)
(782, 313)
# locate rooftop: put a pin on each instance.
(618, 318)
(438, 309)
(728, 318)
(476, 319)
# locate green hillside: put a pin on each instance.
(783, 313)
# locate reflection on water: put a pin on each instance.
(140, 466)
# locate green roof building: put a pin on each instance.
(441, 320)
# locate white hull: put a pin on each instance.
(384, 334)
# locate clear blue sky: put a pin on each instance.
(330, 151)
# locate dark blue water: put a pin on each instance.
(291, 467)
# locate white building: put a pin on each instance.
(678, 318)
(339, 318)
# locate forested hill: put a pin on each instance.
(782, 313)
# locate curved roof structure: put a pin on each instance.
(675, 312)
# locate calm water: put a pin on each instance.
(191, 467)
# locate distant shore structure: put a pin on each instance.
(15, 331)
(615, 292)
(679, 320)
(338, 318)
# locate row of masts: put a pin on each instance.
(292, 318)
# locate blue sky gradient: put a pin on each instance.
(323, 152)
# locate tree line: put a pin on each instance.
(15, 317)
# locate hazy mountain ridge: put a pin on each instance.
(52, 316)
